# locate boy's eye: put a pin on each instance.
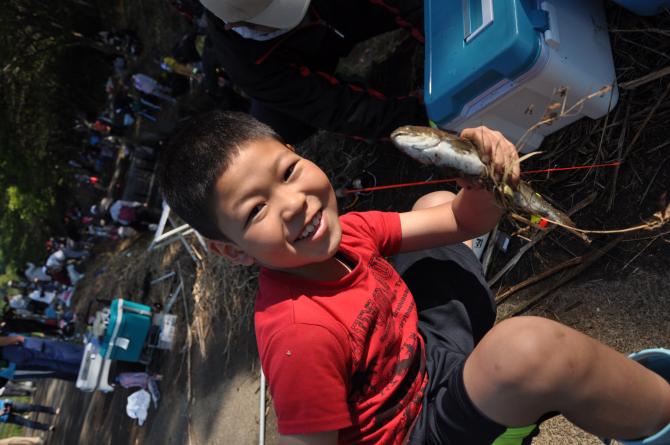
(257, 208)
(289, 171)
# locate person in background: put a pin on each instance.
(131, 213)
(170, 65)
(18, 389)
(57, 262)
(36, 274)
(59, 359)
(11, 412)
(283, 55)
(149, 85)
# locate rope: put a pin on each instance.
(442, 181)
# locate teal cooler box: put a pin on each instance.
(499, 63)
(127, 331)
(644, 7)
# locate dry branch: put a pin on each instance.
(586, 262)
(502, 296)
(577, 232)
(656, 221)
(645, 79)
(488, 252)
(641, 128)
(536, 238)
(620, 142)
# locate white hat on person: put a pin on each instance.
(280, 14)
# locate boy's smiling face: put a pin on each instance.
(277, 209)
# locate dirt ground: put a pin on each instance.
(223, 410)
(210, 386)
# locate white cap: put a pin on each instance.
(280, 14)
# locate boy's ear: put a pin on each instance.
(230, 252)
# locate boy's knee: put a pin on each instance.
(433, 199)
(525, 353)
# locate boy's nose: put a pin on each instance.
(293, 204)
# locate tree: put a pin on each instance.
(36, 117)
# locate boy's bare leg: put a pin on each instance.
(526, 367)
(437, 198)
(433, 199)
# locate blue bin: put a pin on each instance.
(473, 45)
(127, 331)
(500, 63)
(644, 7)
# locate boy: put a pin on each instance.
(347, 357)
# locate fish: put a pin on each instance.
(460, 157)
(436, 147)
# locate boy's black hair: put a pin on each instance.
(197, 156)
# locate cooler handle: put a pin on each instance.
(474, 12)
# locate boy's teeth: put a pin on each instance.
(308, 230)
(313, 224)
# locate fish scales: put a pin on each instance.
(446, 151)
(449, 152)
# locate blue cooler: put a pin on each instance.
(644, 7)
(126, 332)
(499, 63)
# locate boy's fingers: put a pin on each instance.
(500, 158)
(514, 163)
(480, 137)
(495, 150)
(485, 145)
(510, 165)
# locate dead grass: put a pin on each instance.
(223, 294)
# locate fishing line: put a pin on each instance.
(442, 181)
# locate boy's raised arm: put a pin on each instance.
(473, 211)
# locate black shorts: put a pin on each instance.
(456, 309)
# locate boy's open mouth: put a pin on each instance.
(311, 227)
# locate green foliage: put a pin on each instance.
(10, 273)
(36, 115)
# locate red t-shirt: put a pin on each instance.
(345, 355)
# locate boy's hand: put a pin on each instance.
(496, 151)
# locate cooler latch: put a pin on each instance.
(551, 35)
(539, 19)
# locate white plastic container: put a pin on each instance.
(167, 331)
(500, 63)
(90, 375)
